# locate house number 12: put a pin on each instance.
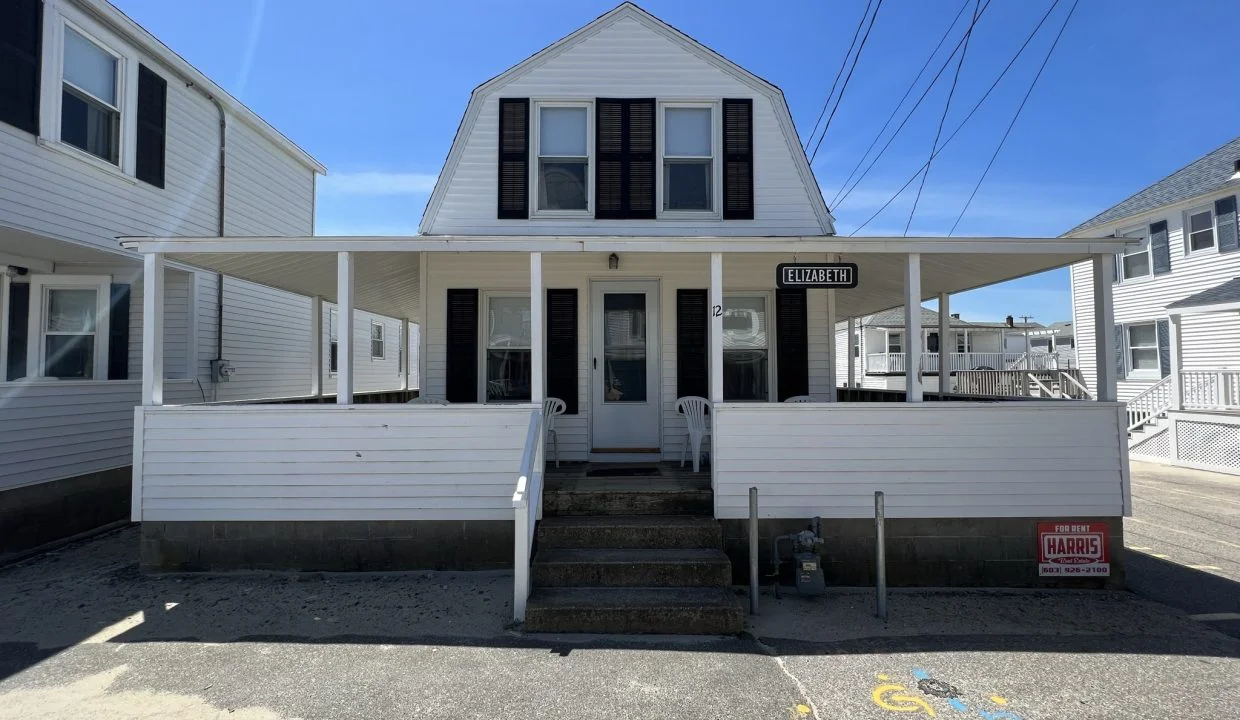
(718, 310)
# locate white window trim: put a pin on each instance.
(39, 285)
(382, 338)
(535, 141)
(56, 17)
(887, 343)
(1129, 371)
(1149, 254)
(772, 362)
(1187, 233)
(716, 146)
(484, 342)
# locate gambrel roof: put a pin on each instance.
(628, 11)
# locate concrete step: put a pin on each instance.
(678, 501)
(630, 531)
(681, 611)
(614, 567)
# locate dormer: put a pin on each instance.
(627, 127)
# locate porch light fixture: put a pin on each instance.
(613, 262)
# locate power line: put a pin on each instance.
(896, 109)
(912, 110)
(838, 73)
(943, 118)
(848, 77)
(1015, 117)
(967, 116)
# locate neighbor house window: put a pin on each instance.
(563, 157)
(1143, 348)
(508, 358)
(746, 348)
(377, 346)
(688, 158)
(895, 342)
(963, 344)
(1136, 262)
(333, 341)
(90, 116)
(1200, 229)
(68, 330)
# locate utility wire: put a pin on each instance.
(848, 77)
(1014, 117)
(943, 118)
(912, 110)
(838, 74)
(967, 116)
(896, 109)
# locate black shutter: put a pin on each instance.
(21, 34)
(514, 158)
(792, 343)
(1164, 347)
(19, 320)
(461, 357)
(738, 159)
(1119, 352)
(692, 344)
(1225, 219)
(1161, 247)
(562, 347)
(118, 333)
(624, 170)
(152, 126)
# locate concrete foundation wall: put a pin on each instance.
(375, 545)
(922, 552)
(36, 514)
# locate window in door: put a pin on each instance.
(746, 349)
(508, 357)
(624, 347)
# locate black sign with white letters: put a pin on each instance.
(816, 275)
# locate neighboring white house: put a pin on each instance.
(1175, 312)
(607, 230)
(105, 132)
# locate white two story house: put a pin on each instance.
(105, 132)
(1177, 312)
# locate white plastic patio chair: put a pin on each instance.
(427, 400)
(800, 399)
(694, 409)
(552, 408)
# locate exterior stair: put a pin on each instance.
(645, 560)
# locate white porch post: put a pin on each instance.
(1177, 348)
(946, 343)
(537, 345)
(316, 346)
(153, 329)
(344, 342)
(404, 354)
(852, 352)
(716, 329)
(912, 328)
(1104, 329)
(833, 352)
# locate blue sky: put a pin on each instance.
(1136, 89)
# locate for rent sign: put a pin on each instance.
(1073, 548)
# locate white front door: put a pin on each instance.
(624, 376)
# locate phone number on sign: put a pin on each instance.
(1075, 569)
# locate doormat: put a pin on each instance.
(623, 472)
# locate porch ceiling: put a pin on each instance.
(386, 282)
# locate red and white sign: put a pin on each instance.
(1067, 549)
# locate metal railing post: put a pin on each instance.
(753, 551)
(880, 554)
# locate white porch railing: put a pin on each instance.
(1210, 389)
(895, 362)
(1154, 400)
(1048, 384)
(526, 507)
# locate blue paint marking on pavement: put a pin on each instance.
(958, 706)
(921, 674)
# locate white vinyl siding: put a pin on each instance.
(322, 462)
(268, 192)
(626, 59)
(1209, 341)
(944, 460)
(369, 374)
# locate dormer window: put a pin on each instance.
(563, 151)
(688, 158)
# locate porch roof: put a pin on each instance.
(387, 268)
(1220, 298)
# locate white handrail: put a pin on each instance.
(1152, 401)
(1069, 377)
(526, 504)
(1047, 392)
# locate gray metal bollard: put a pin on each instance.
(753, 551)
(880, 554)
